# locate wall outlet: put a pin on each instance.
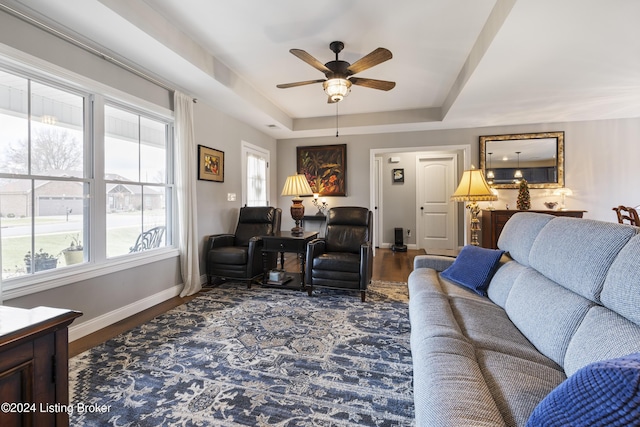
(408, 233)
(231, 197)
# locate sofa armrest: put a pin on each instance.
(436, 262)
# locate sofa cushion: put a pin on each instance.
(620, 290)
(577, 253)
(517, 384)
(503, 279)
(605, 393)
(474, 267)
(488, 327)
(603, 334)
(546, 313)
(449, 389)
(520, 232)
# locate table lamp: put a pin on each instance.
(297, 185)
(473, 188)
(564, 191)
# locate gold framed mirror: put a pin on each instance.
(536, 157)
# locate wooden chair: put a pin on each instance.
(628, 214)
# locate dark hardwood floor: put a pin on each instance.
(387, 265)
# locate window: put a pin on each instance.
(255, 175)
(43, 182)
(55, 213)
(135, 164)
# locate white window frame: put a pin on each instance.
(96, 94)
(246, 149)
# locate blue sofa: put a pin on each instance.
(564, 295)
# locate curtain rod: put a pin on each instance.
(86, 47)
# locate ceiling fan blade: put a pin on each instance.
(373, 83)
(296, 84)
(376, 57)
(310, 60)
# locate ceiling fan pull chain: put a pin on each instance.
(337, 119)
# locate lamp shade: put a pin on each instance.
(473, 188)
(296, 185)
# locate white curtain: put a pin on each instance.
(186, 169)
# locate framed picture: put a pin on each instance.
(210, 164)
(325, 167)
(398, 175)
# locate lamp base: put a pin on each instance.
(474, 210)
(297, 230)
(297, 213)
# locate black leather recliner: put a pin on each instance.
(238, 256)
(343, 259)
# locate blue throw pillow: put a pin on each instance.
(474, 268)
(601, 394)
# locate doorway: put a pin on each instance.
(380, 195)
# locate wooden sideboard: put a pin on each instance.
(34, 366)
(493, 222)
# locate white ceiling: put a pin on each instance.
(457, 63)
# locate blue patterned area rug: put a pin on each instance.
(256, 357)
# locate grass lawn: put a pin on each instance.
(119, 241)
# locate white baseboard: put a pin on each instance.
(92, 325)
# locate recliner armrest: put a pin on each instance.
(255, 243)
(315, 248)
(366, 265)
(219, 240)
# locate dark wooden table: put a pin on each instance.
(34, 366)
(284, 241)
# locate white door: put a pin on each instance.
(436, 213)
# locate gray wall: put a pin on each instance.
(217, 130)
(601, 166)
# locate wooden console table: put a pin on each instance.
(34, 366)
(493, 222)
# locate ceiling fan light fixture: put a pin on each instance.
(337, 88)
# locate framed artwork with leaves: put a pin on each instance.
(325, 167)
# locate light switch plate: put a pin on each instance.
(231, 197)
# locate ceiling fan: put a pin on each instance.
(339, 74)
